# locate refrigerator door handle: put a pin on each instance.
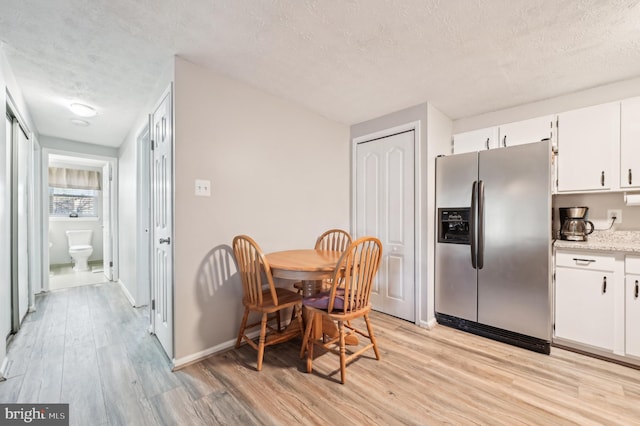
(472, 223)
(480, 226)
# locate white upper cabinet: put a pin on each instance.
(588, 139)
(476, 140)
(630, 143)
(526, 131)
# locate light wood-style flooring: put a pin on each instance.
(87, 346)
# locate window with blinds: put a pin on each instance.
(74, 192)
(70, 202)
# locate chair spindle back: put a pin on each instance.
(355, 273)
(251, 265)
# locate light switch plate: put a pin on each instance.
(203, 188)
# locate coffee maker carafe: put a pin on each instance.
(574, 223)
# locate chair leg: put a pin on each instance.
(307, 334)
(310, 344)
(261, 342)
(298, 311)
(243, 324)
(278, 320)
(372, 337)
(343, 353)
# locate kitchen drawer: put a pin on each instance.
(586, 260)
(632, 264)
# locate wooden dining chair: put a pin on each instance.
(335, 240)
(347, 300)
(262, 296)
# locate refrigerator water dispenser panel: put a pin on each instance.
(453, 225)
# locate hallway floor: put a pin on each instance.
(88, 347)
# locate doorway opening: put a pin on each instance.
(78, 207)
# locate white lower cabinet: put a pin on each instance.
(585, 299)
(597, 303)
(632, 306)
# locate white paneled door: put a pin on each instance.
(385, 209)
(162, 205)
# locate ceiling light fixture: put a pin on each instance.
(78, 122)
(82, 110)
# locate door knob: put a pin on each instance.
(165, 240)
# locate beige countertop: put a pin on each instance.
(621, 241)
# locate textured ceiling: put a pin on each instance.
(349, 60)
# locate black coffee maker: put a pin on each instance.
(574, 225)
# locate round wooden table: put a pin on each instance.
(309, 266)
(305, 264)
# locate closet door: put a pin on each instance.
(385, 209)
(20, 228)
(5, 248)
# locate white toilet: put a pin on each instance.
(80, 248)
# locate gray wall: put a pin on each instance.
(278, 172)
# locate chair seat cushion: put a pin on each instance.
(321, 300)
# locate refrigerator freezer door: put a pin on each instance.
(456, 288)
(514, 289)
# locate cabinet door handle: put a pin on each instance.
(504, 141)
(630, 177)
(635, 294)
(604, 285)
(583, 261)
(487, 143)
(602, 178)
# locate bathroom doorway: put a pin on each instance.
(78, 213)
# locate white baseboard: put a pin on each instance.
(429, 325)
(127, 294)
(198, 356)
(3, 369)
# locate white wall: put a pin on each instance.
(278, 172)
(59, 251)
(58, 254)
(434, 139)
(598, 205)
(69, 146)
(127, 216)
(597, 95)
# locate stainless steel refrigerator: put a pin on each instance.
(493, 248)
